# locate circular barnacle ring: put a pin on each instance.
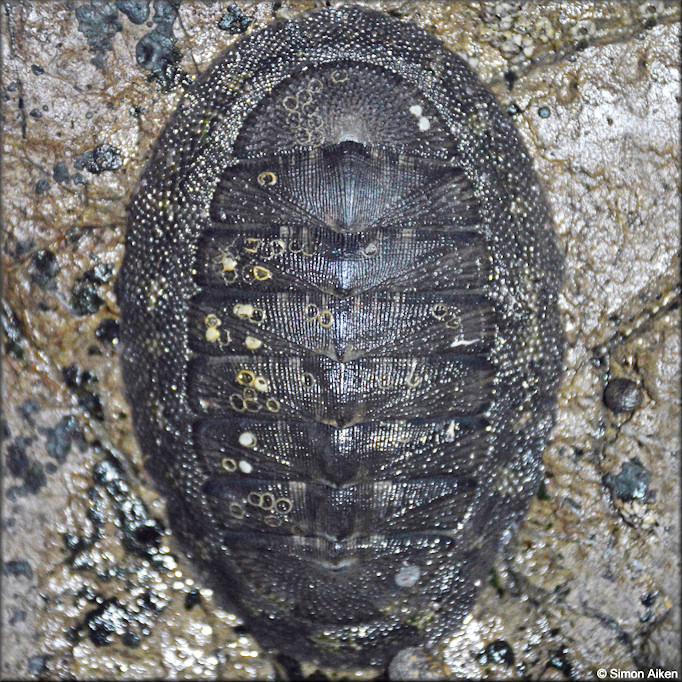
(307, 379)
(272, 404)
(325, 318)
(290, 103)
(228, 464)
(311, 312)
(236, 510)
(304, 96)
(261, 384)
(315, 85)
(413, 381)
(257, 315)
(340, 76)
(453, 323)
(272, 521)
(314, 120)
(252, 405)
(267, 501)
(237, 403)
(212, 320)
(303, 136)
(316, 138)
(245, 377)
(283, 505)
(249, 393)
(439, 311)
(267, 179)
(254, 499)
(261, 273)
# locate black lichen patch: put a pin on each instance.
(37, 70)
(20, 465)
(104, 620)
(107, 331)
(136, 10)
(98, 22)
(36, 665)
(44, 268)
(622, 395)
(141, 532)
(85, 299)
(82, 385)
(558, 659)
(41, 187)
(13, 330)
(61, 438)
(192, 599)
(631, 482)
(60, 173)
(234, 21)
(497, 652)
(17, 567)
(104, 157)
(156, 51)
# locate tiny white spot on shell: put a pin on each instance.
(247, 439)
(407, 575)
(416, 110)
(245, 467)
(424, 123)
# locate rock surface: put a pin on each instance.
(92, 584)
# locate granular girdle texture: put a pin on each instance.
(339, 332)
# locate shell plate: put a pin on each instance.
(339, 332)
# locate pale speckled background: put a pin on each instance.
(590, 580)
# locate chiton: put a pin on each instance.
(339, 332)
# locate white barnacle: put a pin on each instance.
(245, 467)
(247, 439)
(252, 343)
(407, 576)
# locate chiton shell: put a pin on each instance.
(339, 332)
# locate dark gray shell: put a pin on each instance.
(339, 332)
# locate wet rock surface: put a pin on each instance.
(92, 583)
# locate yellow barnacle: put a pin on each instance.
(267, 179)
(252, 343)
(261, 273)
(325, 318)
(243, 309)
(228, 262)
(245, 377)
(272, 404)
(251, 244)
(261, 384)
(228, 464)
